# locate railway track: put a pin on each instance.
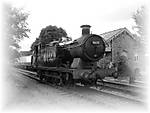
(121, 91)
(129, 90)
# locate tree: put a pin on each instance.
(52, 33)
(15, 28)
(140, 19)
(14, 55)
(49, 34)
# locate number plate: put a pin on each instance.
(95, 42)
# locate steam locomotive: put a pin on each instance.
(72, 63)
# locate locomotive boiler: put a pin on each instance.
(71, 63)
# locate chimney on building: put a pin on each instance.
(85, 29)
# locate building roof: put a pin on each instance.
(108, 36)
(25, 53)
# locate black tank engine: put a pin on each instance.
(70, 63)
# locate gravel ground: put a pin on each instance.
(24, 94)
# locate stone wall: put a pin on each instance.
(123, 45)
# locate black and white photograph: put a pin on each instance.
(75, 56)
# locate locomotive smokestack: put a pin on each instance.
(85, 29)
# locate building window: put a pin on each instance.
(136, 57)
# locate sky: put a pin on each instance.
(102, 15)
